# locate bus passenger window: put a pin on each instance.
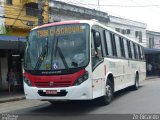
(139, 52)
(135, 51)
(113, 43)
(126, 48)
(129, 49)
(108, 41)
(96, 47)
(142, 53)
(122, 46)
(132, 50)
(117, 41)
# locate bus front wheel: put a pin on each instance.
(107, 98)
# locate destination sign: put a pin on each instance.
(62, 30)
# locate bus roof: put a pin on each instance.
(90, 22)
(66, 22)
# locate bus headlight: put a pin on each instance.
(27, 81)
(80, 80)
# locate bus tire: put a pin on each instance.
(136, 84)
(107, 98)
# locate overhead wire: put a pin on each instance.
(18, 14)
(92, 7)
(9, 10)
(113, 5)
(84, 4)
(153, 9)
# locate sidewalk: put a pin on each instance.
(152, 77)
(6, 96)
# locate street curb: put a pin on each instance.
(12, 99)
(152, 78)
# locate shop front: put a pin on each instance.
(11, 57)
(152, 61)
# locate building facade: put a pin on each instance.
(133, 29)
(153, 39)
(60, 11)
(18, 17)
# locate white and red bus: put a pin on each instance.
(80, 60)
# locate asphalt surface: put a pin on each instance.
(127, 104)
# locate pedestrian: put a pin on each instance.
(149, 69)
(11, 78)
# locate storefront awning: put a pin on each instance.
(151, 51)
(12, 38)
(12, 42)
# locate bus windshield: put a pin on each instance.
(58, 47)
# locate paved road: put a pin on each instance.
(145, 100)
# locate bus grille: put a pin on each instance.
(53, 84)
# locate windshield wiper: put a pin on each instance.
(41, 57)
(61, 55)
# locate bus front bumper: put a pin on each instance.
(81, 92)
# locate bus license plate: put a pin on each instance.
(51, 92)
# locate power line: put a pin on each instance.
(19, 19)
(154, 7)
(15, 18)
(9, 11)
(19, 7)
(19, 14)
(112, 5)
(87, 5)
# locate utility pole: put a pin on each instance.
(40, 12)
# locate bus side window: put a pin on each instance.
(105, 42)
(129, 49)
(114, 49)
(142, 53)
(96, 47)
(126, 48)
(132, 50)
(108, 41)
(135, 50)
(122, 46)
(117, 42)
(139, 52)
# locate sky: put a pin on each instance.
(146, 11)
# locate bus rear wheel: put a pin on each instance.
(107, 98)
